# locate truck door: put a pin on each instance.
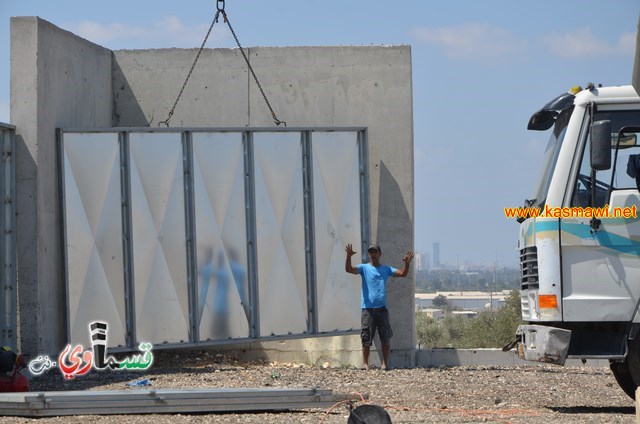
(601, 266)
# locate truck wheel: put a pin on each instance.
(633, 362)
(624, 379)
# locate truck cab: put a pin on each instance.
(579, 242)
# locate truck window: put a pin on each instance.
(582, 188)
(611, 179)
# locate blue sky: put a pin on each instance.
(480, 68)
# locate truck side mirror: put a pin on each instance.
(601, 145)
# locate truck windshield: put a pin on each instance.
(550, 157)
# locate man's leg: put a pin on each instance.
(384, 329)
(385, 356)
(365, 356)
(366, 336)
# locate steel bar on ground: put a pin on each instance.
(117, 402)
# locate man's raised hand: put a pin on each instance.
(408, 257)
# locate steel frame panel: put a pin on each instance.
(335, 191)
(99, 243)
(219, 190)
(280, 221)
(254, 310)
(158, 237)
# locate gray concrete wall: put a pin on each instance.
(147, 82)
(307, 86)
(57, 80)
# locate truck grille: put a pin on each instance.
(529, 268)
(524, 307)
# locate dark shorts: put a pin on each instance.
(372, 320)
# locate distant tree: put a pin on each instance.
(494, 328)
(440, 301)
(490, 329)
(508, 318)
(455, 327)
(428, 331)
(480, 333)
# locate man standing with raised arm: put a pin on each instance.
(375, 315)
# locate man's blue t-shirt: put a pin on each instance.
(374, 293)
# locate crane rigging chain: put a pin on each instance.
(220, 10)
(166, 121)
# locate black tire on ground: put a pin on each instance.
(623, 377)
(369, 414)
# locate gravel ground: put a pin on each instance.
(534, 394)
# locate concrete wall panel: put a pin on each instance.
(57, 80)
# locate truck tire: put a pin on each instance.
(623, 377)
(633, 362)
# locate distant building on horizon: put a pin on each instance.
(422, 261)
(436, 254)
(466, 300)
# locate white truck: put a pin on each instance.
(580, 265)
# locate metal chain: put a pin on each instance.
(246, 59)
(220, 9)
(215, 19)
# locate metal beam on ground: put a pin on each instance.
(118, 402)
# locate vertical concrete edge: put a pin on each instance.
(57, 80)
(24, 114)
